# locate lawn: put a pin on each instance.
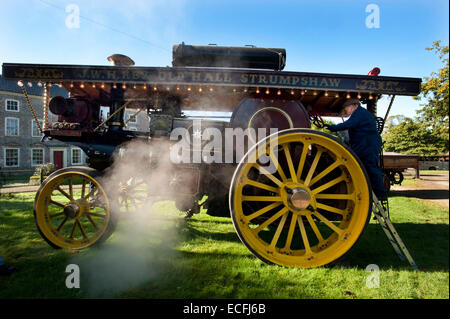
(159, 255)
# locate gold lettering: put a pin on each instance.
(262, 79)
(196, 76)
(324, 82)
(285, 80)
(304, 80)
(252, 78)
(227, 78)
(273, 79)
(209, 77)
(111, 75)
(244, 78)
(218, 77)
(335, 82)
(313, 81)
(126, 74)
(162, 76)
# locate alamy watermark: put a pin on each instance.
(373, 19)
(73, 17)
(73, 279)
(373, 279)
(212, 145)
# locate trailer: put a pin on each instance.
(296, 196)
(394, 164)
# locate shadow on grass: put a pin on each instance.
(427, 244)
(421, 193)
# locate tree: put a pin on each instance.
(428, 133)
(408, 136)
(434, 114)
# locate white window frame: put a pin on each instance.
(133, 120)
(33, 122)
(4, 156)
(81, 156)
(6, 125)
(12, 100)
(43, 156)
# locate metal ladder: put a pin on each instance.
(391, 233)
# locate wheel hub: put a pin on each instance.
(299, 198)
(72, 210)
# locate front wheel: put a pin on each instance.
(72, 210)
(308, 207)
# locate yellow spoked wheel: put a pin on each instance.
(308, 207)
(71, 209)
(133, 194)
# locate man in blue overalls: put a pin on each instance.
(364, 141)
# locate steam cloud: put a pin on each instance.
(145, 238)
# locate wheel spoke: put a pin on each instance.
(73, 230)
(63, 192)
(304, 235)
(290, 163)
(336, 196)
(270, 220)
(96, 214)
(92, 191)
(330, 209)
(302, 161)
(263, 171)
(81, 229)
(313, 225)
(56, 203)
(62, 224)
(83, 187)
(92, 222)
(327, 185)
(70, 189)
(262, 211)
(56, 215)
(261, 199)
(328, 223)
(312, 169)
(277, 165)
(261, 185)
(276, 236)
(325, 172)
(290, 233)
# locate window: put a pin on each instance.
(11, 126)
(129, 116)
(12, 105)
(11, 157)
(76, 156)
(35, 129)
(37, 156)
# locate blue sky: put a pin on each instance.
(319, 36)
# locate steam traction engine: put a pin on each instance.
(307, 210)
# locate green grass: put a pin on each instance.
(159, 255)
(433, 172)
(14, 181)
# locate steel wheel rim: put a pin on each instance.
(72, 210)
(290, 223)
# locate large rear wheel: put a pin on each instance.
(308, 207)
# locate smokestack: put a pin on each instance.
(120, 60)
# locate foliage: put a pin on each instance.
(44, 169)
(407, 136)
(435, 89)
(427, 134)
